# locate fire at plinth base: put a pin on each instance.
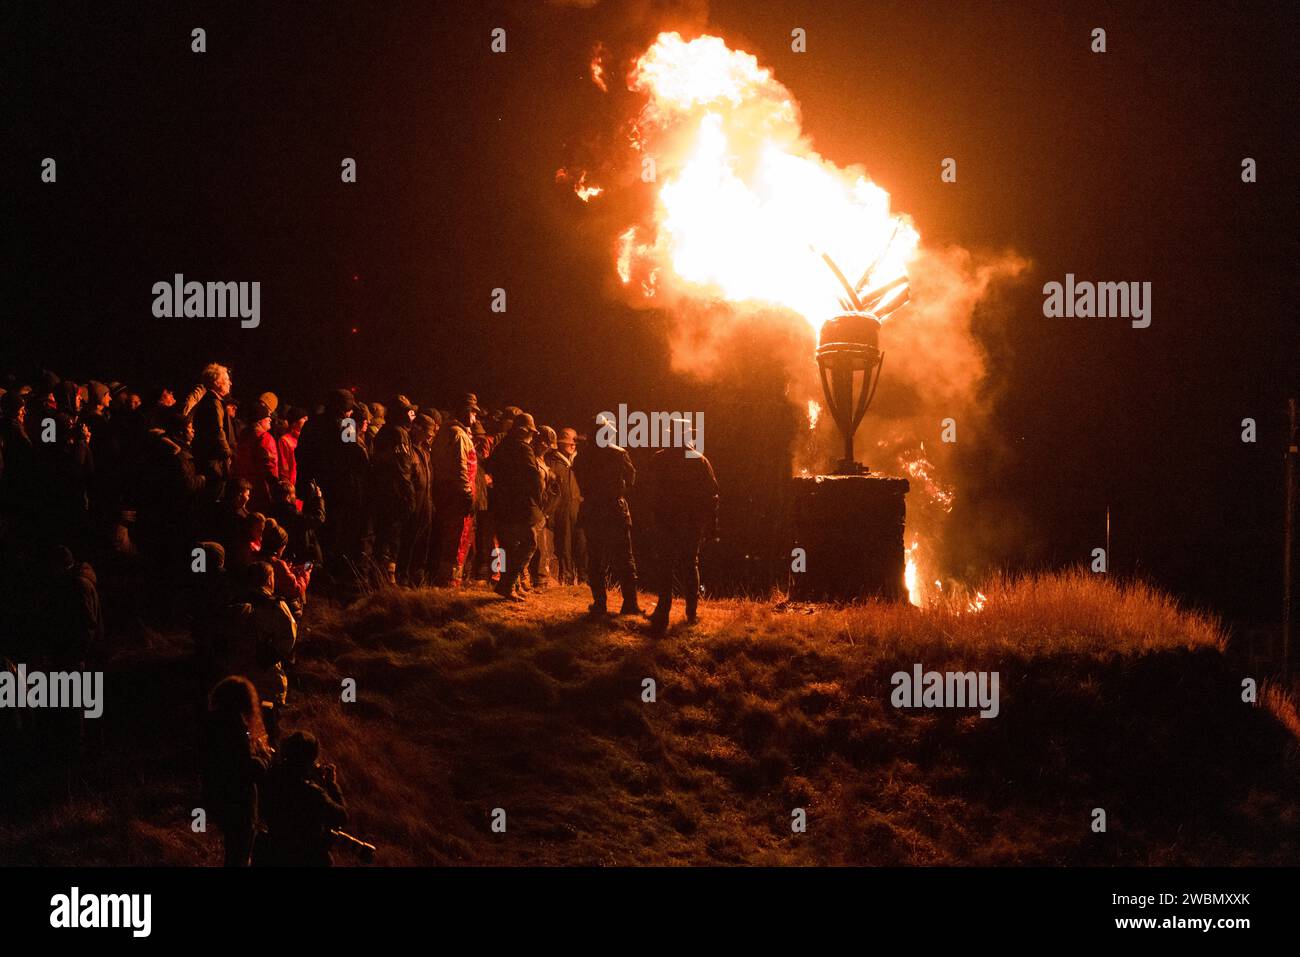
(850, 528)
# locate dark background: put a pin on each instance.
(1122, 166)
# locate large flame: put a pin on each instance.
(912, 574)
(814, 413)
(745, 209)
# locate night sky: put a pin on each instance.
(1123, 166)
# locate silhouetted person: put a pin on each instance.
(392, 485)
(515, 501)
(417, 531)
(74, 628)
(210, 600)
(19, 474)
(605, 472)
(684, 506)
(301, 806)
(331, 451)
(236, 755)
(167, 492)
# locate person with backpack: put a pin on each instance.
(262, 635)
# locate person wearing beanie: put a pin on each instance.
(95, 416)
(257, 460)
(287, 444)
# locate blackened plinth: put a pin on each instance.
(851, 530)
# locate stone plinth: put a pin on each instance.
(851, 529)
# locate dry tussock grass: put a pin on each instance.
(1111, 696)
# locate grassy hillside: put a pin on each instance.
(1110, 697)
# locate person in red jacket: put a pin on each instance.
(287, 445)
(257, 460)
(454, 468)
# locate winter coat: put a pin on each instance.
(75, 619)
(231, 773)
(211, 443)
(482, 450)
(263, 634)
(516, 495)
(299, 811)
(566, 509)
(257, 461)
(287, 449)
(559, 473)
(392, 487)
(18, 468)
(683, 491)
(454, 463)
(604, 474)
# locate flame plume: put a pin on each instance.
(745, 209)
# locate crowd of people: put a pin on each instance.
(234, 510)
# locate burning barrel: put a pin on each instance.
(849, 524)
(849, 361)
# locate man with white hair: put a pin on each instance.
(211, 446)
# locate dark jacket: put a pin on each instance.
(166, 490)
(393, 486)
(515, 497)
(683, 491)
(75, 619)
(18, 467)
(422, 484)
(231, 773)
(299, 809)
(341, 469)
(566, 509)
(212, 449)
(604, 474)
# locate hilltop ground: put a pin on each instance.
(1111, 697)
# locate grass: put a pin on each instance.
(1111, 697)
